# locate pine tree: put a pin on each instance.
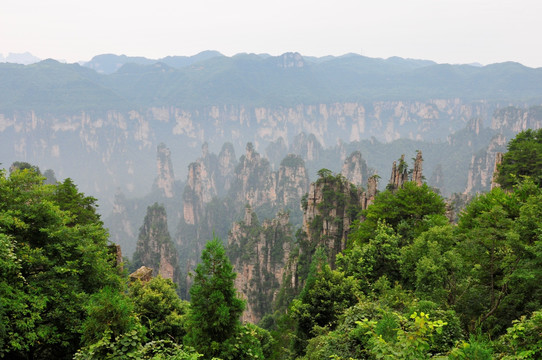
(215, 307)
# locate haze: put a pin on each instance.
(445, 31)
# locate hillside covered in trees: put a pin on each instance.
(389, 277)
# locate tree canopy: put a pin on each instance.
(215, 307)
(523, 158)
(55, 256)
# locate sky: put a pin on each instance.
(445, 31)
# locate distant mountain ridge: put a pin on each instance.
(110, 63)
(209, 79)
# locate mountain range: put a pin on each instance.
(100, 122)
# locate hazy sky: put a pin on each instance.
(446, 31)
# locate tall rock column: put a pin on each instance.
(355, 169)
(155, 249)
(399, 174)
(328, 212)
(166, 179)
(368, 197)
(259, 253)
(417, 175)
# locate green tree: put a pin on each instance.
(404, 209)
(54, 263)
(523, 340)
(378, 257)
(523, 158)
(411, 338)
(500, 243)
(215, 307)
(82, 208)
(326, 294)
(160, 309)
(432, 266)
(110, 314)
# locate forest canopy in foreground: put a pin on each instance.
(410, 284)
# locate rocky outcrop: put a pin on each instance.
(254, 183)
(327, 213)
(200, 185)
(417, 175)
(307, 146)
(165, 181)
(355, 169)
(368, 197)
(259, 253)
(155, 249)
(400, 173)
(100, 137)
(514, 120)
(227, 163)
(144, 274)
(293, 182)
(480, 175)
(498, 161)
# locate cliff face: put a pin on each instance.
(128, 213)
(254, 182)
(307, 146)
(293, 182)
(331, 206)
(61, 139)
(155, 249)
(200, 185)
(259, 253)
(513, 119)
(400, 173)
(355, 169)
(498, 161)
(226, 168)
(210, 208)
(165, 181)
(482, 166)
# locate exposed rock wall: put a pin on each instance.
(326, 216)
(355, 169)
(165, 181)
(482, 166)
(514, 119)
(201, 184)
(252, 183)
(155, 249)
(259, 253)
(60, 140)
(293, 182)
(400, 173)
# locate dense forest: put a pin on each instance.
(401, 281)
